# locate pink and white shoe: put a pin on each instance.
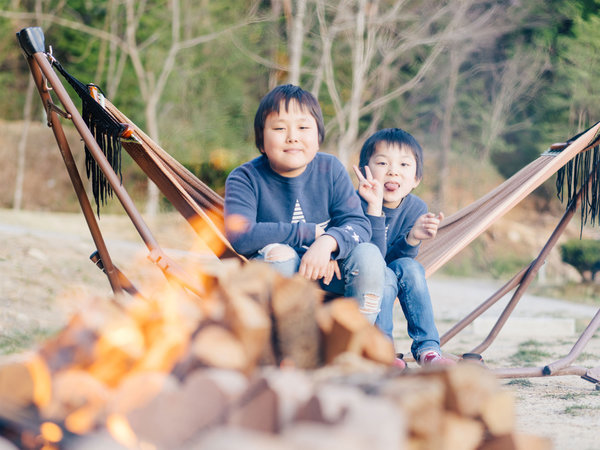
(433, 358)
(399, 364)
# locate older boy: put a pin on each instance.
(296, 208)
(392, 161)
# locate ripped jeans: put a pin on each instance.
(405, 279)
(363, 274)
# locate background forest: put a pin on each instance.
(485, 86)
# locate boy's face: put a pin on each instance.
(395, 167)
(291, 139)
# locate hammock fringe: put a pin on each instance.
(106, 130)
(575, 175)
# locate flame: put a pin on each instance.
(121, 431)
(120, 345)
(236, 223)
(122, 340)
(82, 420)
(205, 240)
(42, 381)
(51, 432)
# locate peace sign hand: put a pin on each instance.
(371, 190)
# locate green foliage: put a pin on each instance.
(584, 255)
(520, 382)
(529, 353)
(23, 340)
(211, 96)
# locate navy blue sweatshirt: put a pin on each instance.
(277, 209)
(391, 229)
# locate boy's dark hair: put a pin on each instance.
(392, 136)
(284, 94)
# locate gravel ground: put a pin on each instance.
(45, 271)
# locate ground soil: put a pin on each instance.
(45, 273)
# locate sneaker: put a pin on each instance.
(433, 358)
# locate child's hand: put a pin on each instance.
(333, 269)
(315, 262)
(371, 190)
(425, 227)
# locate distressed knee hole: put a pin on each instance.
(371, 304)
(278, 253)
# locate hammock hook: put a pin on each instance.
(51, 106)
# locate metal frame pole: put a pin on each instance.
(169, 267)
(84, 203)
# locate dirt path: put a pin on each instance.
(45, 271)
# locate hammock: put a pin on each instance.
(576, 164)
(571, 160)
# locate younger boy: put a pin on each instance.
(392, 161)
(297, 209)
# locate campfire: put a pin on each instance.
(260, 361)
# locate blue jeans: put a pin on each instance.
(363, 275)
(405, 279)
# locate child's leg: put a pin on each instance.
(385, 318)
(416, 305)
(281, 257)
(363, 273)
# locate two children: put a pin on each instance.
(296, 208)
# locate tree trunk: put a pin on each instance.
(359, 64)
(446, 148)
(296, 42)
(22, 147)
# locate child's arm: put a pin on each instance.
(371, 191)
(401, 244)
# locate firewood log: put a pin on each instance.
(468, 387)
(231, 382)
(250, 323)
(137, 389)
(374, 421)
(461, 433)
(346, 329)
(297, 336)
(517, 441)
(72, 347)
(256, 409)
(422, 401)
(341, 322)
(215, 346)
(498, 413)
(24, 380)
(255, 280)
(178, 412)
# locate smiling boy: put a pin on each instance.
(296, 209)
(392, 161)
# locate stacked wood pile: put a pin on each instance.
(259, 363)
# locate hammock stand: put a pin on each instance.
(203, 209)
